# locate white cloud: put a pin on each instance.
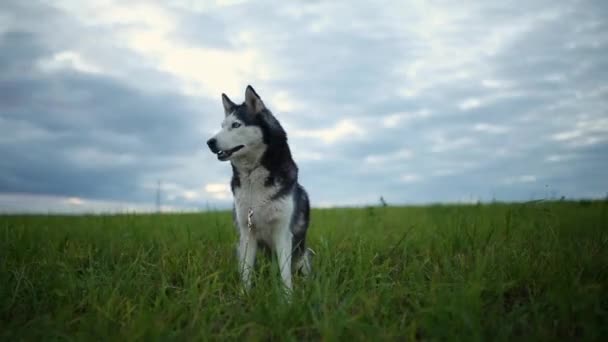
(217, 187)
(555, 78)
(490, 128)
(445, 172)
(402, 154)
(68, 60)
(31, 203)
(444, 55)
(440, 143)
(191, 195)
(151, 31)
(143, 15)
(494, 84)
(568, 135)
(75, 201)
(555, 158)
(394, 120)
(343, 129)
(220, 191)
(586, 132)
(306, 155)
(519, 179)
(410, 178)
(229, 2)
(202, 71)
(283, 102)
(469, 104)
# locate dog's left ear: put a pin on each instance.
(253, 101)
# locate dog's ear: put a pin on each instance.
(228, 104)
(253, 101)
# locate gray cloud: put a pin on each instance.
(417, 102)
(76, 134)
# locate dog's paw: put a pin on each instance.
(287, 294)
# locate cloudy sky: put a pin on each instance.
(417, 101)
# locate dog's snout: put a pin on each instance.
(212, 143)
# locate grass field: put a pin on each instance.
(535, 271)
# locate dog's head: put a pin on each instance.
(241, 133)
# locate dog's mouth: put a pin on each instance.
(225, 155)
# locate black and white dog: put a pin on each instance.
(271, 209)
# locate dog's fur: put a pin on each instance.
(264, 180)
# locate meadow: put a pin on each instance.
(531, 271)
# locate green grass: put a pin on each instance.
(485, 272)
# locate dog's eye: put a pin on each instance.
(236, 125)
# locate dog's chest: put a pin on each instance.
(253, 194)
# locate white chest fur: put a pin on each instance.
(269, 215)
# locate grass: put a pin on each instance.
(481, 272)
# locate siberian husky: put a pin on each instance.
(271, 209)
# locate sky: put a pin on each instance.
(415, 101)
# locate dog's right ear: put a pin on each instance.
(228, 104)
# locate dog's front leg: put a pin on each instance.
(283, 248)
(247, 250)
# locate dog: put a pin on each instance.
(271, 209)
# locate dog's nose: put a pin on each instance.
(212, 143)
